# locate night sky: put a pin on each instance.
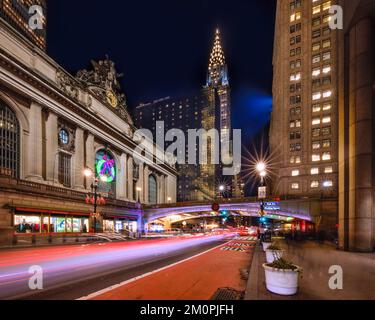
(163, 46)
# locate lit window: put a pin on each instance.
(326, 43)
(315, 121)
(298, 123)
(316, 9)
(326, 69)
(317, 96)
(292, 124)
(328, 169)
(315, 157)
(326, 119)
(328, 183)
(316, 108)
(298, 159)
(314, 184)
(314, 171)
(326, 143)
(295, 186)
(327, 94)
(295, 173)
(298, 15)
(292, 159)
(316, 145)
(316, 46)
(316, 58)
(316, 72)
(327, 106)
(326, 5)
(326, 156)
(326, 55)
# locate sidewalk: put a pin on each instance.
(315, 259)
(194, 279)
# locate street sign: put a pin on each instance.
(262, 192)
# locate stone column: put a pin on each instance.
(361, 138)
(51, 148)
(121, 182)
(79, 159)
(146, 175)
(90, 156)
(130, 179)
(35, 144)
(140, 184)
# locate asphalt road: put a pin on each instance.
(71, 272)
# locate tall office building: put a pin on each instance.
(177, 113)
(208, 109)
(16, 13)
(322, 124)
(304, 125)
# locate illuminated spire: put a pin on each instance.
(217, 58)
(217, 68)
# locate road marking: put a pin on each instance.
(98, 293)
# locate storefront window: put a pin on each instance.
(109, 225)
(27, 224)
(44, 223)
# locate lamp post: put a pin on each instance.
(94, 198)
(139, 189)
(221, 190)
(261, 168)
(169, 200)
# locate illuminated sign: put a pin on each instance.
(105, 167)
(272, 206)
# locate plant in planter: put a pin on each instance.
(266, 244)
(273, 252)
(282, 277)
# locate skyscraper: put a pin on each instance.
(322, 125)
(16, 13)
(208, 109)
(304, 124)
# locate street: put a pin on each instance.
(70, 272)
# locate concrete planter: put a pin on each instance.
(266, 245)
(273, 255)
(280, 281)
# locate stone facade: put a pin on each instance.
(63, 123)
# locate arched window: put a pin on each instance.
(152, 189)
(10, 142)
(105, 170)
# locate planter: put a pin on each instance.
(273, 255)
(266, 245)
(282, 281)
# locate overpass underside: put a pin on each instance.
(312, 210)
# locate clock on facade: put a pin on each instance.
(64, 136)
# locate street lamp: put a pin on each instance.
(93, 197)
(139, 189)
(261, 168)
(221, 190)
(169, 199)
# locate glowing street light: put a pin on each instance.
(87, 172)
(261, 167)
(139, 189)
